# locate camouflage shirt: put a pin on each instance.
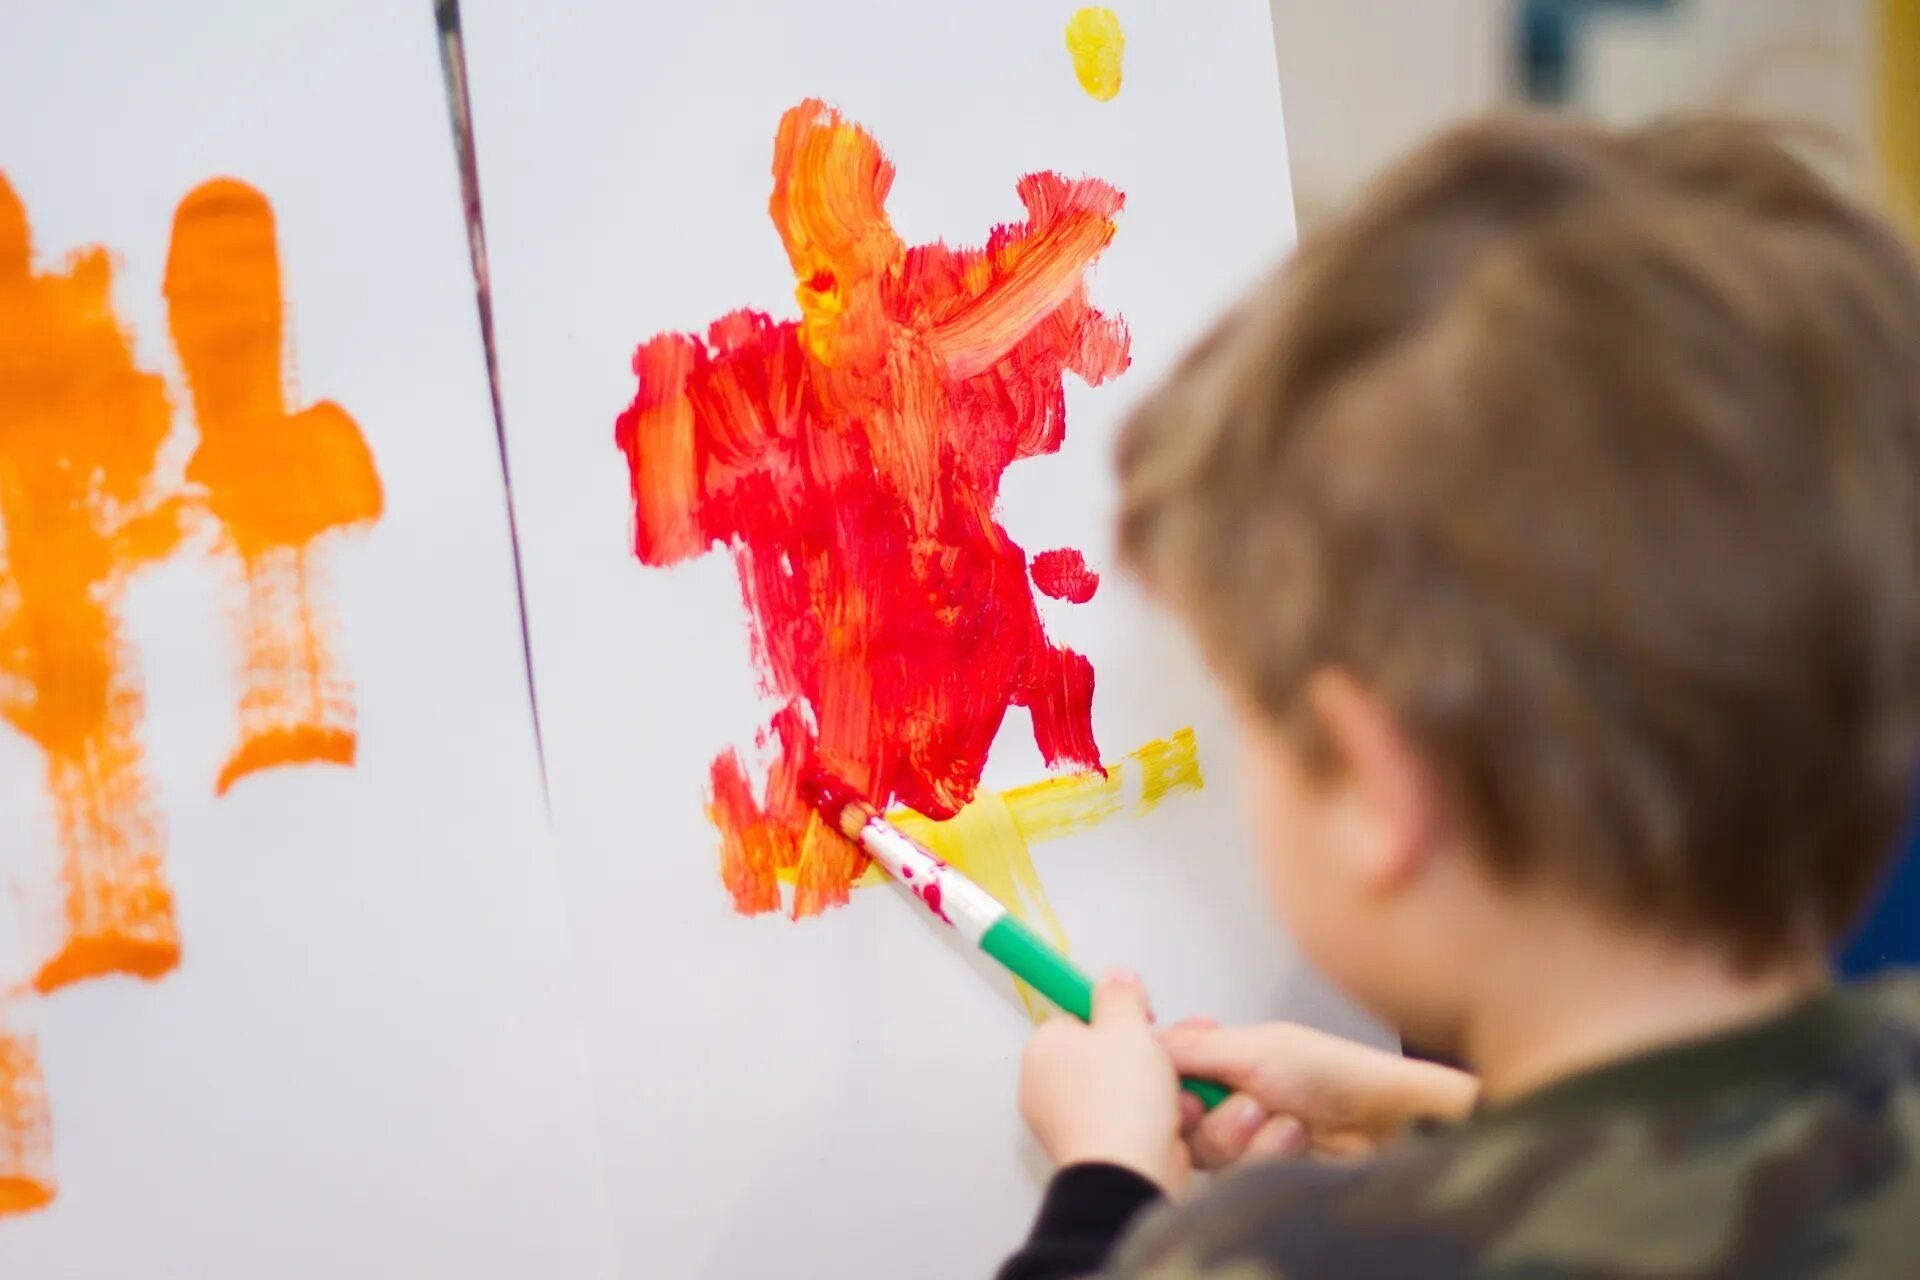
(1790, 1148)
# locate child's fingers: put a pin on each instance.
(1231, 1055)
(1278, 1139)
(1120, 999)
(1192, 1112)
(1222, 1135)
(1199, 1022)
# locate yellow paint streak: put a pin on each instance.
(1168, 766)
(983, 841)
(990, 840)
(1056, 807)
(1095, 40)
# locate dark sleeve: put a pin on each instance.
(1087, 1207)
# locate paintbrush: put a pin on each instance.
(969, 910)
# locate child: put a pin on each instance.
(1553, 520)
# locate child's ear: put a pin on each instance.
(1396, 804)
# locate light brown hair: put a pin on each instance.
(1596, 456)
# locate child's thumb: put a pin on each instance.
(1120, 998)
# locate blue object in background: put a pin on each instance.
(1891, 933)
(1547, 43)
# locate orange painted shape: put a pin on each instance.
(24, 1195)
(26, 1127)
(81, 429)
(81, 508)
(118, 910)
(276, 480)
(304, 743)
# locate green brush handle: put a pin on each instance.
(1035, 961)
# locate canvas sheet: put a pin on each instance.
(853, 448)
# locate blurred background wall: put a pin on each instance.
(1366, 79)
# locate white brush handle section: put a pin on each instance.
(952, 897)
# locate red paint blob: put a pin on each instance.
(850, 463)
(930, 894)
(826, 794)
(1063, 574)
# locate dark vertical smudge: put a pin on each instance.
(453, 66)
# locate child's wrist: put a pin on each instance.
(1156, 1167)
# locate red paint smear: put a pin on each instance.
(850, 462)
(1063, 574)
(827, 795)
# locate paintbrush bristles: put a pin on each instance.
(854, 816)
(837, 802)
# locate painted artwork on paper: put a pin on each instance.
(86, 501)
(850, 461)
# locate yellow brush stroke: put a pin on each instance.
(989, 840)
(1168, 766)
(984, 842)
(1095, 40)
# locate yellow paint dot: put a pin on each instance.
(1095, 40)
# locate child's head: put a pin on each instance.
(1554, 518)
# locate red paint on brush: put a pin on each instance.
(930, 894)
(1063, 574)
(850, 462)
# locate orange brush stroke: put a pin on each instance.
(26, 1129)
(80, 432)
(276, 480)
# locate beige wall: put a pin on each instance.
(1364, 79)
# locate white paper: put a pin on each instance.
(835, 1096)
(369, 1062)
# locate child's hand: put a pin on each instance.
(1297, 1087)
(1106, 1091)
